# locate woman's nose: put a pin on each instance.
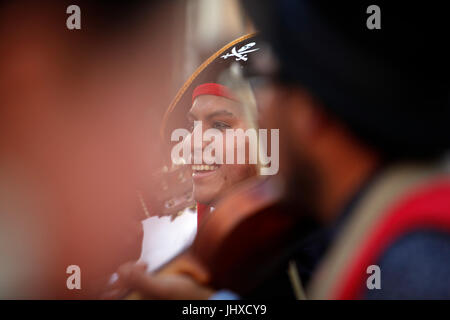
(195, 138)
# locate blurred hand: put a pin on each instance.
(133, 278)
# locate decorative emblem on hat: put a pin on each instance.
(241, 54)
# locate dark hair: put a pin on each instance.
(389, 86)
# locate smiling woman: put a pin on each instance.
(209, 102)
(203, 99)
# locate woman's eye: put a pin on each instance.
(221, 125)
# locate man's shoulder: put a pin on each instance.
(415, 266)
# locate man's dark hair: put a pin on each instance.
(389, 86)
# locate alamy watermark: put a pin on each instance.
(374, 280)
(74, 280)
(73, 21)
(256, 141)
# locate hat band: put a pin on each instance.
(214, 89)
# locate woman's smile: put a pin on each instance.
(200, 171)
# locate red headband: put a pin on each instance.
(214, 89)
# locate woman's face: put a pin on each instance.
(211, 181)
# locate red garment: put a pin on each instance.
(427, 207)
(202, 211)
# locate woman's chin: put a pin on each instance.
(203, 196)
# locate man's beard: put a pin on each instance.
(302, 187)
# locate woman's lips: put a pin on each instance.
(200, 171)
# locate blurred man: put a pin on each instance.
(77, 115)
(369, 112)
(363, 117)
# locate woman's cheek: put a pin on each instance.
(233, 148)
(227, 150)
